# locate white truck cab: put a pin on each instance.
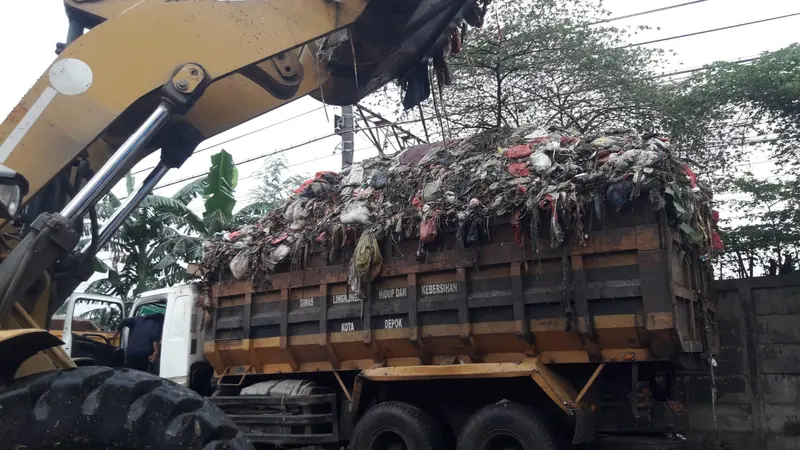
(181, 359)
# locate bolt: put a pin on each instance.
(194, 73)
(182, 84)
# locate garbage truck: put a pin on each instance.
(402, 331)
(135, 77)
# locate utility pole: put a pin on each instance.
(348, 134)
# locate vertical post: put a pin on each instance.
(348, 135)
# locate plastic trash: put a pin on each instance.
(355, 213)
(355, 177)
(379, 180)
(432, 191)
(518, 151)
(367, 258)
(240, 265)
(519, 169)
(540, 162)
(427, 230)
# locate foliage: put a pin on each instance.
(273, 188)
(769, 228)
(218, 193)
(717, 114)
(544, 63)
(152, 247)
(139, 263)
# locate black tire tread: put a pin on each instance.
(421, 419)
(114, 407)
(536, 425)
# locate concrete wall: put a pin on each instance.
(758, 373)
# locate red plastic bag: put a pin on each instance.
(279, 239)
(317, 176)
(715, 216)
(716, 241)
(519, 151)
(427, 230)
(519, 169)
(692, 176)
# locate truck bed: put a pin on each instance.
(633, 292)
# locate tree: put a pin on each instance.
(152, 247)
(139, 263)
(273, 188)
(768, 230)
(544, 63)
(723, 115)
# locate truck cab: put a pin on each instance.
(86, 323)
(181, 357)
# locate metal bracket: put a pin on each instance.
(186, 86)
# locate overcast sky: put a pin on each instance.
(30, 29)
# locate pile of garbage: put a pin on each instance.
(551, 176)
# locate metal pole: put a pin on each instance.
(99, 185)
(348, 134)
(124, 211)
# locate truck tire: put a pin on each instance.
(396, 426)
(506, 426)
(99, 408)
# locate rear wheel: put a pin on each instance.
(101, 408)
(506, 426)
(396, 426)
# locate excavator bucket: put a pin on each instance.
(390, 39)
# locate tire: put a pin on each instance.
(505, 426)
(396, 426)
(98, 408)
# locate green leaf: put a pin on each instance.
(171, 210)
(191, 190)
(222, 179)
(99, 265)
(165, 262)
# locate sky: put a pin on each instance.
(29, 31)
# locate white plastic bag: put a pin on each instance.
(540, 162)
(355, 213)
(277, 256)
(240, 265)
(355, 177)
(432, 191)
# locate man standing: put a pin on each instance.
(144, 340)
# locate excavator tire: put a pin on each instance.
(99, 408)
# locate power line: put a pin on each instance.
(248, 160)
(200, 150)
(283, 150)
(628, 16)
(713, 30)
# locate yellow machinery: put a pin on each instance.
(148, 75)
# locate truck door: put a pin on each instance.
(176, 336)
(87, 323)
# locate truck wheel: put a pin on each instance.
(506, 426)
(99, 408)
(396, 426)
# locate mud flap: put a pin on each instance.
(584, 426)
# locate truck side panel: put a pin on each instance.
(622, 299)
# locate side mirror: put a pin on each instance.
(13, 187)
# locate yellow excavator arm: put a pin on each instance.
(167, 74)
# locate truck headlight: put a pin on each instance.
(13, 187)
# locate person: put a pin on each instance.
(144, 340)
